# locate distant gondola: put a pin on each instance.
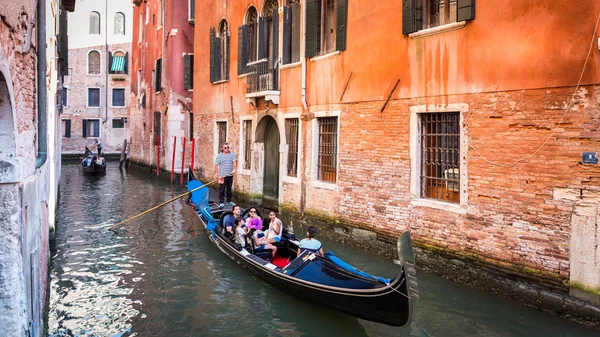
(327, 280)
(92, 163)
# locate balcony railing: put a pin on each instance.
(262, 76)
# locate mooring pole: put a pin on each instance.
(158, 156)
(182, 161)
(173, 160)
(192, 159)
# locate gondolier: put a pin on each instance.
(225, 166)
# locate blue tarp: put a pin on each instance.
(200, 198)
(349, 268)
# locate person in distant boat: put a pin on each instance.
(253, 222)
(275, 228)
(225, 167)
(230, 222)
(310, 243)
(98, 145)
(241, 230)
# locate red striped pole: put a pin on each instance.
(173, 160)
(182, 162)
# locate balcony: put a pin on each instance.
(263, 80)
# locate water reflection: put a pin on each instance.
(160, 276)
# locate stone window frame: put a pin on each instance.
(217, 146)
(242, 152)
(99, 128)
(87, 63)
(87, 98)
(415, 157)
(286, 178)
(117, 14)
(65, 92)
(314, 181)
(112, 91)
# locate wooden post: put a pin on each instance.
(192, 159)
(173, 160)
(182, 161)
(158, 156)
(122, 160)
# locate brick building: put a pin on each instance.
(161, 105)
(469, 127)
(33, 60)
(96, 93)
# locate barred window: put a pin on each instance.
(221, 133)
(327, 156)
(247, 144)
(440, 156)
(291, 136)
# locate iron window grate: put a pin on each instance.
(327, 161)
(291, 135)
(247, 144)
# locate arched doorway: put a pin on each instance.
(8, 150)
(267, 132)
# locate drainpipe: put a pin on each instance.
(107, 62)
(305, 108)
(42, 153)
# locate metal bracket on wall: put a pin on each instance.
(390, 95)
(346, 86)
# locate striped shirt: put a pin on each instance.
(225, 162)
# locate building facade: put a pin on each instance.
(32, 63)
(471, 124)
(96, 93)
(161, 102)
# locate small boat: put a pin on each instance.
(324, 280)
(92, 163)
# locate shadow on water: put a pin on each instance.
(159, 275)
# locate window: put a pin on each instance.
(66, 128)
(188, 71)
(158, 76)
(159, 10)
(94, 23)
(118, 123)
(147, 13)
(327, 149)
(119, 23)
(118, 97)
(247, 41)
(190, 126)
(219, 53)
(221, 134)
(326, 22)
(118, 62)
(191, 10)
(94, 62)
(139, 82)
(270, 14)
(93, 98)
(440, 156)
(247, 144)
(291, 136)
(140, 28)
(156, 127)
(65, 97)
(418, 15)
(91, 128)
(291, 32)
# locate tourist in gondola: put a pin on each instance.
(225, 167)
(253, 222)
(310, 243)
(275, 228)
(241, 230)
(230, 222)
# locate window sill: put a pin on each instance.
(190, 90)
(326, 56)
(220, 81)
(257, 61)
(324, 185)
(243, 75)
(117, 107)
(291, 65)
(192, 21)
(244, 172)
(441, 205)
(93, 107)
(94, 75)
(291, 180)
(437, 30)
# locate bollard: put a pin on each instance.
(173, 160)
(182, 161)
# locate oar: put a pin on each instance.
(164, 203)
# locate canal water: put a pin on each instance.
(160, 276)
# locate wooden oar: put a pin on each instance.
(164, 203)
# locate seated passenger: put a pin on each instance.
(310, 243)
(241, 230)
(260, 242)
(230, 222)
(275, 228)
(253, 221)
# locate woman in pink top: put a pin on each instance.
(253, 221)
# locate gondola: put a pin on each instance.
(92, 163)
(324, 280)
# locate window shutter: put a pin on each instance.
(275, 18)
(313, 27)
(465, 10)
(262, 38)
(412, 16)
(217, 59)
(187, 71)
(287, 36)
(158, 74)
(96, 129)
(110, 61)
(245, 48)
(68, 128)
(84, 128)
(296, 32)
(226, 56)
(213, 55)
(240, 65)
(126, 65)
(342, 24)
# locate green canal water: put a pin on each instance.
(159, 275)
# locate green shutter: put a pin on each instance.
(226, 56)
(110, 62)
(287, 35)
(84, 134)
(68, 128)
(412, 16)
(158, 74)
(126, 66)
(313, 31)
(296, 32)
(187, 73)
(465, 10)
(213, 73)
(262, 37)
(217, 59)
(342, 24)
